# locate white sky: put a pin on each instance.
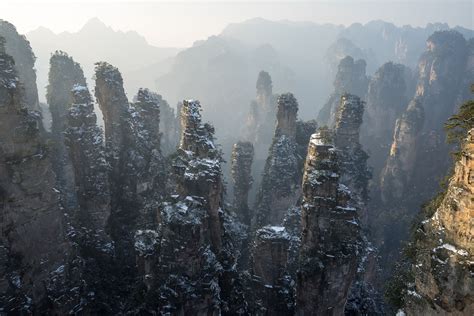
(180, 23)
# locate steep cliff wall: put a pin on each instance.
(441, 70)
(242, 157)
(260, 126)
(34, 249)
(445, 248)
(64, 75)
(195, 269)
(136, 175)
(330, 240)
(281, 179)
(353, 159)
(419, 156)
(272, 284)
(84, 142)
(19, 48)
(389, 92)
(350, 78)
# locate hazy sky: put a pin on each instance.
(180, 23)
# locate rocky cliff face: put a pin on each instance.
(445, 248)
(388, 95)
(442, 69)
(355, 175)
(34, 251)
(350, 78)
(260, 125)
(419, 156)
(196, 266)
(280, 183)
(64, 75)
(19, 48)
(353, 159)
(199, 167)
(261, 119)
(84, 142)
(330, 235)
(272, 285)
(169, 123)
(136, 174)
(242, 157)
(397, 173)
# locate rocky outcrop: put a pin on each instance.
(350, 78)
(330, 235)
(355, 175)
(169, 124)
(419, 156)
(260, 125)
(64, 75)
(136, 175)
(84, 142)
(397, 173)
(199, 168)
(442, 69)
(389, 92)
(353, 159)
(280, 188)
(19, 48)
(195, 271)
(169, 127)
(272, 285)
(242, 157)
(261, 119)
(339, 50)
(445, 248)
(34, 252)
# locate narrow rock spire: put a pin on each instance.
(330, 234)
(280, 184)
(242, 157)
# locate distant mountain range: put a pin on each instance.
(221, 71)
(300, 57)
(94, 42)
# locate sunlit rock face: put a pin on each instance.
(330, 238)
(33, 249)
(419, 155)
(19, 48)
(445, 248)
(242, 158)
(280, 188)
(350, 78)
(389, 92)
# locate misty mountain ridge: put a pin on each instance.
(94, 42)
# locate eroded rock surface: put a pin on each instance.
(280, 188)
(33, 227)
(443, 265)
(350, 78)
(330, 239)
